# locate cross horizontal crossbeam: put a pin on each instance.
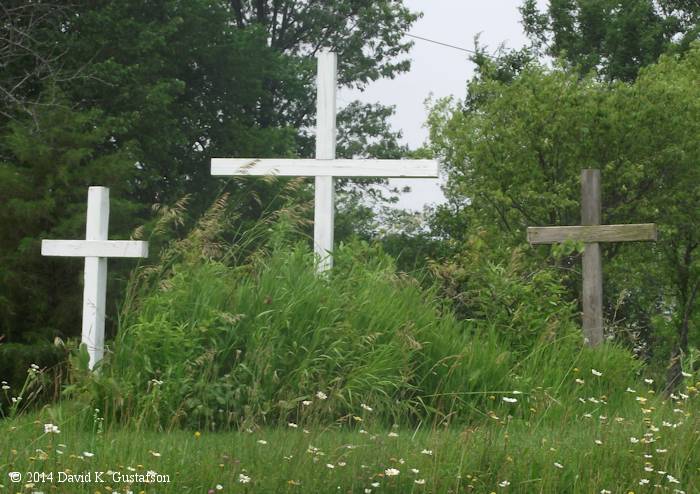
(94, 248)
(592, 233)
(328, 167)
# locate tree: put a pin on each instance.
(165, 86)
(514, 155)
(612, 37)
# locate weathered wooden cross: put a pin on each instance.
(95, 249)
(592, 233)
(325, 166)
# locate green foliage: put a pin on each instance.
(221, 336)
(31, 374)
(47, 167)
(504, 292)
(514, 154)
(610, 37)
(139, 96)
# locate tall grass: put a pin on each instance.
(224, 335)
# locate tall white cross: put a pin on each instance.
(325, 166)
(95, 249)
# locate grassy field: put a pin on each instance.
(648, 447)
(261, 376)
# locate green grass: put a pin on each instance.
(237, 362)
(533, 456)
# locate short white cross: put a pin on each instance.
(95, 249)
(325, 166)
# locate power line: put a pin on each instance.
(444, 44)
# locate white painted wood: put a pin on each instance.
(324, 191)
(326, 82)
(325, 166)
(95, 275)
(329, 167)
(324, 218)
(96, 249)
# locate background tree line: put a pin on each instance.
(138, 96)
(620, 94)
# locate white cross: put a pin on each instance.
(325, 166)
(95, 249)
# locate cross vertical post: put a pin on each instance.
(95, 275)
(592, 233)
(324, 211)
(592, 296)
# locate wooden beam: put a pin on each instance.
(325, 167)
(94, 248)
(592, 233)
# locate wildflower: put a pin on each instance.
(51, 429)
(243, 479)
(87, 454)
(262, 441)
(605, 491)
(643, 481)
(558, 465)
(365, 407)
(156, 454)
(375, 484)
(368, 490)
(341, 463)
(649, 381)
(509, 400)
(5, 387)
(330, 465)
(428, 452)
(661, 450)
(419, 481)
(596, 373)
(219, 487)
(672, 479)
(321, 395)
(598, 442)
(292, 425)
(505, 483)
(393, 434)
(306, 403)
(686, 374)
(391, 472)
(362, 431)
(630, 390)
(197, 435)
(580, 381)
(634, 440)
(415, 470)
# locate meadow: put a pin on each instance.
(237, 368)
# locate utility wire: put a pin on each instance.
(441, 43)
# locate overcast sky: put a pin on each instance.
(440, 71)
